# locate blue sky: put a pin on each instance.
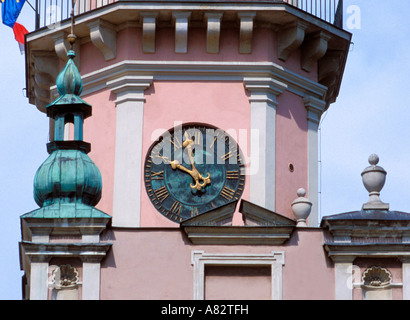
(370, 116)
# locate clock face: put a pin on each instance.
(193, 169)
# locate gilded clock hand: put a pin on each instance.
(194, 173)
(175, 165)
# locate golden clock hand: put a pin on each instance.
(175, 165)
(194, 173)
(188, 145)
(198, 186)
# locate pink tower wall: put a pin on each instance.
(148, 263)
(204, 100)
(156, 264)
(222, 104)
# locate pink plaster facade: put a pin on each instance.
(160, 268)
(224, 104)
(264, 48)
(160, 264)
(291, 150)
(100, 129)
(188, 102)
(270, 257)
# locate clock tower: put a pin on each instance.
(204, 129)
(262, 72)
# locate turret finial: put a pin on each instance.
(374, 178)
(301, 208)
(72, 37)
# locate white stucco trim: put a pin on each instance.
(39, 280)
(315, 108)
(406, 278)
(264, 92)
(201, 71)
(128, 149)
(38, 256)
(344, 278)
(91, 280)
(200, 259)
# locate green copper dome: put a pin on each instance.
(69, 80)
(69, 86)
(68, 184)
(68, 175)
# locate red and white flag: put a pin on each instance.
(10, 10)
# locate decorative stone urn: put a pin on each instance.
(374, 178)
(301, 208)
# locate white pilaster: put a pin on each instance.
(315, 108)
(264, 92)
(406, 278)
(343, 278)
(91, 280)
(277, 279)
(128, 149)
(39, 280)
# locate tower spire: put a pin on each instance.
(68, 176)
(72, 37)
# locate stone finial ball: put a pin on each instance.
(301, 192)
(374, 159)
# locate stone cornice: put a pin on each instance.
(338, 251)
(253, 214)
(315, 108)
(90, 252)
(202, 70)
(267, 8)
(264, 89)
(130, 88)
(239, 235)
(262, 227)
(63, 226)
(101, 25)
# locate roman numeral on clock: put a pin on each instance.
(176, 207)
(194, 211)
(227, 156)
(177, 144)
(233, 175)
(227, 193)
(157, 175)
(161, 193)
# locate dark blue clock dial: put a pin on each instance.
(193, 169)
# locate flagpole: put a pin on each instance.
(37, 15)
(31, 5)
(37, 21)
(72, 37)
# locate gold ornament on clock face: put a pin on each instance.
(193, 169)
